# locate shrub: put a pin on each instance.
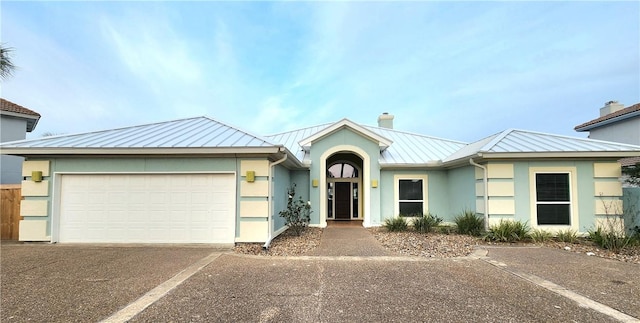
(568, 236)
(424, 223)
(396, 224)
(508, 231)
(610, 239)
(298, 213)
(539, 235)
(469, 223)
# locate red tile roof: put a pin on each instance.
(9, 106)
(619, 113)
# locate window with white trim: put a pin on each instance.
(553, 199)
(410, 197)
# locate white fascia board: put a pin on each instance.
(138, 151)
(382, 141)
(586, 154)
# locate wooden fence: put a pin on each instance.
(10, 211)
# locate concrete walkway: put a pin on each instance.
(349, 241)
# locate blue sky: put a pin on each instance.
(457, 70)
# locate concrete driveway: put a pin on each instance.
(76, 283)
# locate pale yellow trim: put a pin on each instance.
(254, 209)
(607, 206)
(573, 187)
(501, 189)
(33, 230)
(35, 165)
(480, 204)
(500, 170)
(607, 170)
(396, 191)
(479, 189)
(34, 207)
(507, 206)
(261, 167)
(366, 178)
(479, 173)
(608, 188)
(254, 189)
(253, 231)
(30, 188)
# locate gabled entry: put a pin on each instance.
(344, 181)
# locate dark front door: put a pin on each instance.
(342, 197)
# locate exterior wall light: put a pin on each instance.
(36, 176)
(250, 176)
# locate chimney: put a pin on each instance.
(385, 120)
(611, 107)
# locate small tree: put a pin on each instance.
(298, 212)
(6, 64)
(632, 174)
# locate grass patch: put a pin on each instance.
(396, 224)
(540, 236)
(508, 231)
(469, 223)
(611, 240)
(425, 223)
(568, 236)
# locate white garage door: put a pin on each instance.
(147, 208)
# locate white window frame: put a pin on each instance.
(396, 192)
(573, 214)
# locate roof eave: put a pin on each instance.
(577, 154)
(21, 151)
(32, 120)
(429, 164)
(606, 122)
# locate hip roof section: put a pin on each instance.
(192, 133)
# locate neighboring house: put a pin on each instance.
(199, 180)
(15, 122)
(616, 123)
(620, 124)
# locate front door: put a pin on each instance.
(343, 201)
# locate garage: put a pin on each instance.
(147, 208)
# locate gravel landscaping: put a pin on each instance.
(432, 245)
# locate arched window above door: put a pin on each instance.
(342, 170)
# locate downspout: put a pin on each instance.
(270, 200)
(485, 182)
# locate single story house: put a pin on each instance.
(199, 180)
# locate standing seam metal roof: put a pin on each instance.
(200, 132)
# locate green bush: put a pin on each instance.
(568, 236)
(469, 223)
(396, 224)
(508, 231)
(610, 239)
(539, 235)
(424, 223)
(298, 212)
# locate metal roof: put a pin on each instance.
(203, 135)
(514, 142)
(194, 133)
(407, 149)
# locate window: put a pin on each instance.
(342, 170)
(410, 197)
(553, 199)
